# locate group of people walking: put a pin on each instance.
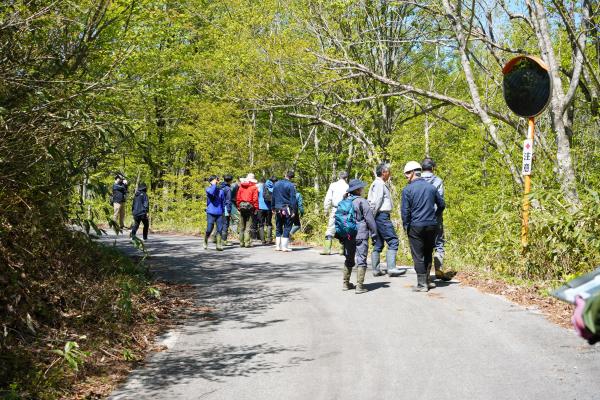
(257, 203)
(353, 220)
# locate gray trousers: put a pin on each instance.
(356, 252)
(439, 239)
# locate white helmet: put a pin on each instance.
(411, 166)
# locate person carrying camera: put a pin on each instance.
(215, 207)
(119, 194)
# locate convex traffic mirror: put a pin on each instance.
(527, 86)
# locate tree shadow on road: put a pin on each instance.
(213, 364)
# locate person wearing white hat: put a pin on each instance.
(247, 204)
(421, 207)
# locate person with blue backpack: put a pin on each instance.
(265, 213)
(354, 225)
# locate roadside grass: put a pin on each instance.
(80, 315)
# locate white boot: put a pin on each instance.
(278, 243)
(285, 244)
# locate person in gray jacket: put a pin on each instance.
(356, 249)
(428, 175)
(380, 199)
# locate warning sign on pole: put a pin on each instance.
(527, 157)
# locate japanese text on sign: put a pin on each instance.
(527, 157)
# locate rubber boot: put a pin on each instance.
(430, 284)
(295, 229)
(421, 283)
(219, 243)
(375, 255)
(347, 285)
(278, 243)
(285, 244)
(261, 236)
(205, 245)
(327, 247)
(242, 239)
(270, 235)
(360, 280)
(390, 258)
(439, 274)
(248, 239)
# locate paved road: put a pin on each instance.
(285, 330)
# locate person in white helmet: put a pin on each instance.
(422, 206)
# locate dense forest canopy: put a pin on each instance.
(169, 92)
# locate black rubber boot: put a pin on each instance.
(421, 283)
(430, 284)
(347, 285)
(360, 280)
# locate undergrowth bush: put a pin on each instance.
(60, 288)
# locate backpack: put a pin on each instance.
(345, 219)
(267, 194)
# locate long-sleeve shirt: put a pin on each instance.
(365, 221)
(227, 193)
(141, 204)
(435, 180)
(380, 197)
(262, 202)
(422, 204)
(335, 194)
(119, 192)
(215, 200)
(284, 194)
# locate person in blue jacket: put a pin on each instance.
(265, 213)
(215, 208)
(422, 208)
(139, 210)
(285, 207)
(228, 204)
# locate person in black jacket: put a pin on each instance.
(422, 207)
(139, 209)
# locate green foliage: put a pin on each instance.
(72, 355)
